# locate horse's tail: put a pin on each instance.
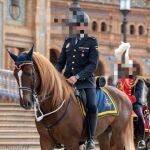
(129, 135)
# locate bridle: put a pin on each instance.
(18, 68)
(35, 97)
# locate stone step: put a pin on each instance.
(19, 141)
(7, 104)
(21, 147)
(16, 118)
(11, 105)
(21, 123)
(15, 109)
(17, 129)
(18, 136)
(13, 113)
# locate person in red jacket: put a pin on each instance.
(133, 87)
(126, 85)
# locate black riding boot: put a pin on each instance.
(92, 121)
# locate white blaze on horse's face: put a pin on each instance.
(20, 83)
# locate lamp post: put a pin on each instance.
(125, 8)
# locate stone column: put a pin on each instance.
(42, 27)
(2, 49)
(148, 34)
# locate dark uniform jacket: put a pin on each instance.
(138, 90)
(81, 59)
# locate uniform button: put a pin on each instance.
(72, 68)
(75, 50)
(73, 56)
(82, 55)
(73, 62)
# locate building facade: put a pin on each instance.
(24, 22)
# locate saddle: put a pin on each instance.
(104, 101)
(80, 94)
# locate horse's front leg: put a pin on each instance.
(46, 143)
(73, 145)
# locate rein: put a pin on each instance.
(35, 96)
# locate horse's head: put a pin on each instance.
(24, 74)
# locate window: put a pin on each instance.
(94, 26)
(56, 20)
(132, 29)
(103, 27)
(141, 30)
(16, 12)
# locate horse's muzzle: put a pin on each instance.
(27, 105)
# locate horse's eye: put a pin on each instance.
(28, 74)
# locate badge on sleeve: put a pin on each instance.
(67, 45)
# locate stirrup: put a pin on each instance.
(59, 146)
(90, 145)
(141, 144)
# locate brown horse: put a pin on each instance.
(58, 115)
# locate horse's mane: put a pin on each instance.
(52, 82)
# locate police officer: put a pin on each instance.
(80, 56)
(133, 87)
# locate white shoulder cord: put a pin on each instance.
(37, 107)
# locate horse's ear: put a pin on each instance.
(13, 56)
(31, 52)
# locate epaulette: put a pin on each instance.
(91, 37)
(141, 78)
(66, 39)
